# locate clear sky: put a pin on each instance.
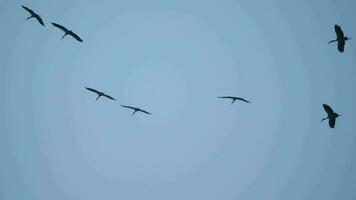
(174, 58)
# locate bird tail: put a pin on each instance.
(331, 41)
(134, 112)
(29, 17)
(98, 97)
(64, 36)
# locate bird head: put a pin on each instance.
(347, 38)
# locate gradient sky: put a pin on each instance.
(174, 58)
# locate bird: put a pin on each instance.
(100, 94)
(340, 38)
(67, 32)
(234, 99)
(136, 110)
(331, 115)
(33, 15)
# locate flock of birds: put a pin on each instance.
(64, 29)
(109, 97)
(331, 115)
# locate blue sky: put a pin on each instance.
(174, 58)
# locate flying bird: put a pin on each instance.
(100, 94)
(331, 115)
(67, 32)
(234, 99)
(136, 110)
(340, 38)
(33, 15)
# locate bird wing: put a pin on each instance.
(227, 97)
(328, 110)
(60, 27)
(332, 122)
(93, 90)
(130, 107)
(28, 10)
(338, 31)
(107, 96)
(39, 19)
(341, 45)
(76, 36)
(244, 100)
(145, 112)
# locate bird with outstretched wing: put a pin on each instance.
(100, 93)
(136, 110)
(33, 15)
(331, 115)
(67, 32)
(340, 38)
(234, 99)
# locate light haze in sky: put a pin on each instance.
(173, 59)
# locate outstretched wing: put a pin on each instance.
(133, 108)
(93, 90)
(145, 112)
(226, 97)
(332, 122)
(39, 19)
(28, 10)
(107, 96)
(339, 33)
(60, 27)
(76, 36)
(328, 110)
(244, 100)
(341, 45)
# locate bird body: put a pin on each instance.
(136, 110)
(67, 32)
(234, 99)
(100, 94)
(331, 115)
(33, 15)
(340, 38)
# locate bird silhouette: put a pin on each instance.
(234, 99)
(340, 38)
(331, 115)
(67, 32)
(136, 110)
(33, 15)
(100, 94)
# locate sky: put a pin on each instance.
(174, 58)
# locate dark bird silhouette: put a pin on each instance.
(33, 15)
(67, 32)
(340, 38)
(331, 115)
(136, 110)
(100, 94)
(234, 99)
